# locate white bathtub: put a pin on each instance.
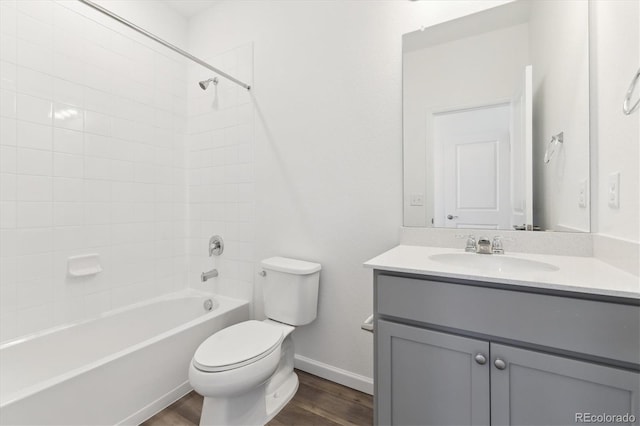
(120, 368)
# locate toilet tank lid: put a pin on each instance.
(290, 266)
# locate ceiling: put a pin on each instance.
(189, 8)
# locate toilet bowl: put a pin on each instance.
(245, 371)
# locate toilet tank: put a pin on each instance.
(291, 290)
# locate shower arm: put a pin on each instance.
(164, 43)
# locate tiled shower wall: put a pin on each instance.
(91, 161)
(220, 151)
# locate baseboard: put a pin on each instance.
(335, 374)
(158, 405)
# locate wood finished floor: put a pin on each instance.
(317, 402)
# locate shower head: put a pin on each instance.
(204, 84)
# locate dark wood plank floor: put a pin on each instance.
(317, 402)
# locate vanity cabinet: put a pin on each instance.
(469, 353)
(412, 360)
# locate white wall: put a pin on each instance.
(560, 54)
(615, 59)
(90, 160)
(328, 156)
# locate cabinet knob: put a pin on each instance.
(481, 359)
(500, 364)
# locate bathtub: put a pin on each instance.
(120, 368)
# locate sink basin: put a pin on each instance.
(493, 262)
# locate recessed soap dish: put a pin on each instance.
(84, 265)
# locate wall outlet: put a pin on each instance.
(417, 200)
(582, 194)
(613, 190)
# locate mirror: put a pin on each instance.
(496, 119)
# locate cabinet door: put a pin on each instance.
(430, 378)
(534, 388)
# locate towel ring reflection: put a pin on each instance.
(553, 146)
(626, 109)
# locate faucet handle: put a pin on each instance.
(471, 246)
(496, 245)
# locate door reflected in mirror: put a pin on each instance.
(485, 97)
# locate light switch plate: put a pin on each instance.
(613, 190)
(417, 200)
(582, 194)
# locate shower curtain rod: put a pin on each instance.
(162, 42)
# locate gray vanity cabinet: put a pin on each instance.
(413, 359)
(535, 388)
(468, 353)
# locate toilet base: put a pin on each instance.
(281, 397)
(249, 409)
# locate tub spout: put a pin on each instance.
(210, 274)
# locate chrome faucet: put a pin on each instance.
(210, 274)
(484, 245)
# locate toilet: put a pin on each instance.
(245, 371)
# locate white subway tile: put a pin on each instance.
(67, 68)
(68, 238)
(8, 103)
(70, 308)
(8, 75)
(68, 214)
(98, 100)
(122, 171)
(34, 83)
(34, 188)
(68, 141)
(7, 242)
(95, 122)
(98, 77)
(33, 241)
(8, 298)
(65, 189)
(34, 214)
(38, 9)
(34, 162)
(33, 293)
(67, 165)
(7, 159)
(35, 136)
(8, 20)
(8, 270)
(34, 30)
(97, 168)
(34, 56)
(8, 48)
(98, 146)
(8, 212)
(98, 302)
(97, 191)
(7, 187)
(68, 93)
(33, 319)
(68, 116)
(67, 42)
(97, 213)
(98, 235)
(7, 131)
(36, 110)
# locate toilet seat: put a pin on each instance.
(236, 346)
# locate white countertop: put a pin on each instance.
(577, 274)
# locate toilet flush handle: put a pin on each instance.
(262, 273)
